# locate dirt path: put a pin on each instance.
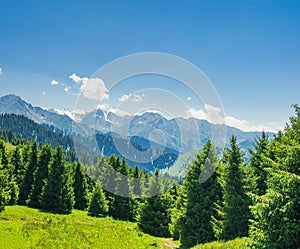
(170, 243)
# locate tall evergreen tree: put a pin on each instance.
(122, 205)
(40, 176)
(12, 190)
(26, 185)
(276, 215)
(258, 163)
(155, 215)
(4, 155)
(234, 210)
(80, 188)
(137, 187)
(178, 209)
(196, 224)
(57, 194)
(18, 164)
(3, 185)
(98, 206)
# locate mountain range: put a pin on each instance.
(147, 131)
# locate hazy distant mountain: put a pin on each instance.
(170, 143)
(179, 134)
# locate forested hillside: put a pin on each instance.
(221, 199)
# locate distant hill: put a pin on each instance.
(28, 129)
(14, 104)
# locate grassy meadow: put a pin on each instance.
(23, 227)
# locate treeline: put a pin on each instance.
(41, 177)
(29, 130)
(18, 129)
(258, 199)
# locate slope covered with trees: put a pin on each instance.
(256, 199)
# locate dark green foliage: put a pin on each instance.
(122, 205)
(57, 194)
(80, 186)
(3, 185)
(27, 183)
(137, 187)
(196, 224)
(18, 164)
(40, 176)
(4, 156)
(155, 215)
(233, 212)
(177, 210)
(276, 214)
(32, 131)
(11, 189)
(258, 163)
(98, 206)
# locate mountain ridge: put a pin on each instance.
(180, 134)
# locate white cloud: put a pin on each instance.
(75, 78)
(213, 115)
(189, 98)
(245, 126)
(94, 89)
(131, 97)
(119, 112)
(54, 82)
(199, 114)
(1, 71)
(66, 89)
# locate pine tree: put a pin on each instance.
(137, 191)
(98, 206)
(80, 188)
(40, 176)
(122, 204)
(258, 163)
(276, 215)
(57, 194)
(137, 187)
(155, 215)
(178, 209)
(26, 185)
(234, 210)
(196, 224)
(3, 185)
(11, 190)
(19, 167)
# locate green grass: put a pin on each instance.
(23, 227)
(239, 243)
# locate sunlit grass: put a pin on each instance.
(23, 227)
(239, 243)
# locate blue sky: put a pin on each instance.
(248, 49)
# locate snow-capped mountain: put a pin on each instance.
(180, 134)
